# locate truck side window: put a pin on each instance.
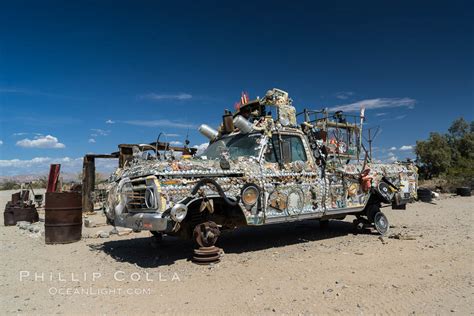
(297, 149)
(298, 152)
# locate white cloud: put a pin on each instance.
(19, 134)
(379, 103)
(91, 140)
(381, 114)
(160, 123)
(100, 132)
(109, 122)
(399, 117)
(393, 148)
(406, 147)
(201, 148)
(160, 97)
(1, 142)
(392, 159)
(47, 141)
(176, 143)
(5, 90)
(344, 95)
(171, 135)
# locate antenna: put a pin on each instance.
(371, 137)
(186, 141)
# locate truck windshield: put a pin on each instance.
(237, 146)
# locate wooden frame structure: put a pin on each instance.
(124, 154)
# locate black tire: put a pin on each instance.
(424, 195)
(463, 191)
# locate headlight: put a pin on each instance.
(178, 212)
(250, 195)
(154, 200)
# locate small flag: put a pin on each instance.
(244, 99)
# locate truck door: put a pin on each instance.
(288, 193)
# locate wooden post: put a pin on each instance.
(125, 154)
(88, 183)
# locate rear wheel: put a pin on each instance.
(424, 195)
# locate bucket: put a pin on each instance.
(63, 217)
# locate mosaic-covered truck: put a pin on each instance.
(261, 167)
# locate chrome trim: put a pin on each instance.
(283, 219)
(142, 221)
(346, 210)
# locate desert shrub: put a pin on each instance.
(9, 185)
(449, 157)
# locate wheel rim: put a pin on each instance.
(381, 223)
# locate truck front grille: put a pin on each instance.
(136, 198)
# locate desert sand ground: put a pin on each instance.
(294, 268)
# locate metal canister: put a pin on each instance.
(63, 217)
(228, 122)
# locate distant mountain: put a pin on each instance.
(67, 177)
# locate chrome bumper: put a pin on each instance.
(144, 221)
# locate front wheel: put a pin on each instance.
(206, 234)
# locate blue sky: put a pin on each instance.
(145, 67)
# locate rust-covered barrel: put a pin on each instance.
(63, 217)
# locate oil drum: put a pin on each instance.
(63, 217)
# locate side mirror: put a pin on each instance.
(286, 152)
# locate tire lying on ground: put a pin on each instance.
(463, 191)
(424, 195)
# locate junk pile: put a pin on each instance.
(426, 195)
(20, 209)
(34, 230)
